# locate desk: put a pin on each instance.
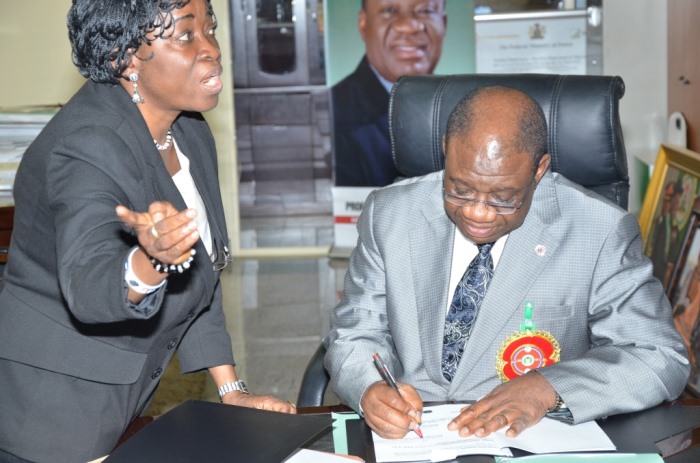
(676, 426)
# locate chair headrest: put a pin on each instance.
(584, 132)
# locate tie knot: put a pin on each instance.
(484, 249)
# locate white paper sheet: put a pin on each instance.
(439, 444)
(314, 456)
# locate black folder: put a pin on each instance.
(197, 431)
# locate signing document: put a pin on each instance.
(439, 444)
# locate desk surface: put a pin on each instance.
(672, 429)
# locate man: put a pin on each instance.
(661, 241)
(402, 37)
(574, 256)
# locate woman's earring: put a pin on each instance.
(135, 97)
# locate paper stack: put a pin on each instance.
(440, 444)
(18, 128)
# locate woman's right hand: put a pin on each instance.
(164, 233)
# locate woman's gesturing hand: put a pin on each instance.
(163, 232)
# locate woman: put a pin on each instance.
(119, 237)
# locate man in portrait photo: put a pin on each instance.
(401, 37)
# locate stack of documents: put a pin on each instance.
(440, 444)
(18, 128)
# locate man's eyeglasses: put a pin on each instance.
(499, 208)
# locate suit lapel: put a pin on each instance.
(431, 247)
(527, 252)
(157, 182)
(202, 179)
(156, 178)
(191, 150)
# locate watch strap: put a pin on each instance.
(232, 386)
(557, 405)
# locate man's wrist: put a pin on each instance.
(233, 386)
(360, 411)
(558, 403)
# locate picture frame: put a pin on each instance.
(667, 209)
(685, 299)
(669, 221)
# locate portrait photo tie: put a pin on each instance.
(464, 309)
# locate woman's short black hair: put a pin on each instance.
(105, 34)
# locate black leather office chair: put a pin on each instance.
(585, 135)
(315, 381)
(585, 141)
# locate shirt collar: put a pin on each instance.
(385, 83)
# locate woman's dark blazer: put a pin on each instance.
(77, 361)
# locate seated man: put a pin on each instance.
(538, 238)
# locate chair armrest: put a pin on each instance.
(315, 381)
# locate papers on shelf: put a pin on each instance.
(439, 444)
(29, 115)
(18, 129)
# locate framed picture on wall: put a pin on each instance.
(669, 220)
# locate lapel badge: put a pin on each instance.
(527, 349)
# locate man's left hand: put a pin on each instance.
(516, 404)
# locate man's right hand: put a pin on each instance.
(389, 414)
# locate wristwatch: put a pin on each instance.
(239, 386)
(557, 405)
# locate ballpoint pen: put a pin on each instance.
(389, 379)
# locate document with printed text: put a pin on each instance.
(439, 444)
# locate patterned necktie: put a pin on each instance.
(464, 308)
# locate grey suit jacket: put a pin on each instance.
(77, 361)
(592, 288)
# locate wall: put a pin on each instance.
(38, 70)
(635, 48)
(36, 54)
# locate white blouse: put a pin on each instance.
(185, 183)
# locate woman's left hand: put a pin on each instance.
(261, 402)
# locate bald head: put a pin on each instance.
(515, 116)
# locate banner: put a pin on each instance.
(367, 52)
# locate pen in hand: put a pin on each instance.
(389, 379)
